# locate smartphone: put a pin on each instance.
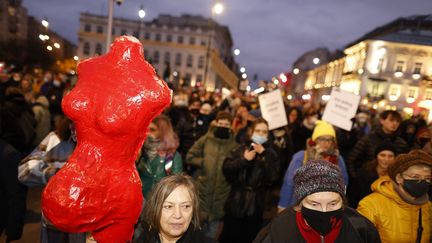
(251, 147)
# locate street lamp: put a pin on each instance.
(216, 9)
(110, 19)
(236, 51)
(44, 23)
(141, 12)
(242, 69)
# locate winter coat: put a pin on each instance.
(189, 130)
(395, 219)
(208, 155)
(12, 193)
(364, 150)
(249, 180)
(287, 190)
(43, 119)
(152, 171)
(284, 228)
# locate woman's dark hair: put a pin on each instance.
(299, 113)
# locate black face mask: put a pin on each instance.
(322, 222)
(194, 111)
(222, 132)
(416, 188)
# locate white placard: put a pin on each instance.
(273, 109)
(341, 108)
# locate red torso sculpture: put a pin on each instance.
(99, 190)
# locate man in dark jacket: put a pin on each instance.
(12, 193)
(364, 149)
(191, 127)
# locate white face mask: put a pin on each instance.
(259, 139)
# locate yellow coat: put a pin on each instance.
(395, 219)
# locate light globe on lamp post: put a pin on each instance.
(141, 15)
(236, 51)
(45, 23)
(216, 9)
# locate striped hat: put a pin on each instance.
(318, 176)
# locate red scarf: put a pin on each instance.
(312, 236)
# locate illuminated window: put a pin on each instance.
(412, 92)
(428, 94)
(380, 64)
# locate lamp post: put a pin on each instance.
(141, 14)
(216, 9)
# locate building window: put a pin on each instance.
(394, 90)
(189, 61)
(99, 29)
(178, 59)
(180, 39)
(87, 28)
(428, 94)
(380, 64)
(167, 57)
(417, 68)
(123, 32)
(169, 38)
(201, 62)
(147, 36)
(199, 78)
(192, 41)
(98, 49)
(187, 79)
(399, 66)
(158, 37)
(412, 93)
(86, 49)
(156, 57)
(203, 42)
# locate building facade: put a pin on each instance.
(390, 67)
(188, 50)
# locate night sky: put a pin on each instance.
(271, 34)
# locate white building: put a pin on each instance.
(390, 67)
(177, 47)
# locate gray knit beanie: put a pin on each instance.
(318, 176)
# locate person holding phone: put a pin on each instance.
(250, 170)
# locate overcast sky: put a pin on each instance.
(271, 34)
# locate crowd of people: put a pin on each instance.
(210, 168)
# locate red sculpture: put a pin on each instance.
(99, 190)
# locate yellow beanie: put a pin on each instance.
(323, 128)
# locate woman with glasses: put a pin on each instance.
(399, 205)
(159, 156)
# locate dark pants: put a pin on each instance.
(240, 230)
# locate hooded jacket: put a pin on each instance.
(208, 155)
(395, 219)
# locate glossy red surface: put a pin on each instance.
(99, 190)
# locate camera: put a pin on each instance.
(119, 2)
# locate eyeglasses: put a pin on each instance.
(417, 178)
(325, 139)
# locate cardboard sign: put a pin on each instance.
(341, 108)
(273, 109)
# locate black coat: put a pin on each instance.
(364, 150)
(190, 236)
(283, 228)
(249, 180)
(12, 193)
(189, 130)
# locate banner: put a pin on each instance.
(341, 108)
(273, 109)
